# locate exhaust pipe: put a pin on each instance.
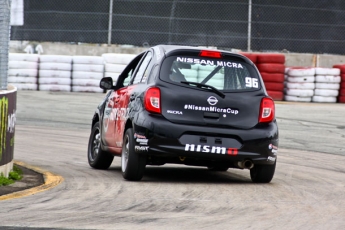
(246, 164)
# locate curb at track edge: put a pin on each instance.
(50, 181)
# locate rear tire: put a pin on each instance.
(132, 164)
(97, 158)
(262, 173)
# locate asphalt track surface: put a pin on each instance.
(307, 192)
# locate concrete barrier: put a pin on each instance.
(8, 102)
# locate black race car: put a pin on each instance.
(186, 105)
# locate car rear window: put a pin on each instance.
(223, 74)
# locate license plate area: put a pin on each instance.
(228, 142)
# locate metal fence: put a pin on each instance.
(4, 41)
(259, 25)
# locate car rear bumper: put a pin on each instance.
(162, 140)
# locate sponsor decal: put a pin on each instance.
(141, 139)
(211, 109)
(210, 62)
(112, 114)
(138, 148)
(273, 148)
(139, 136)
(211, 149)
(212, 100)
(271, 159)
(7, 125)
(175, 112)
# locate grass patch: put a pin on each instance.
(15, 174)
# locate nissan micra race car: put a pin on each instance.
(186, 105)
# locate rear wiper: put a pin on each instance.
(200, 85)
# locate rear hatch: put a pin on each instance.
(210, 88)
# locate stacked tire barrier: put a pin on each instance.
(327, 84)
(23, 71)
(341, 97)
(83, 73)
(55, 73)
(251, 56)
(299, 85)
(272, 69)
(87, 73)
(115, 63)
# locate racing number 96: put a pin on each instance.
(252, 82)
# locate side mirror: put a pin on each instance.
(106, 83)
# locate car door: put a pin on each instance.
(125, 95)
(115, 105)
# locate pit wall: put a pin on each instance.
(8, 100)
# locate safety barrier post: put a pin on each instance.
(5, 12)
(110, 21)
(249, 25)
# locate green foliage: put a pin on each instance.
(5, 181)
(15, 174)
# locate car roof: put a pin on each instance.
(166, 49)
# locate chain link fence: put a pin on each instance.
(259, 25)
(4, 41)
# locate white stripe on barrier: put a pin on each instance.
(324, 99)
(115, 68)
(295, 98)
(291, 85)
(301, 72)
(54, 81)
(116, 58)
(56, 66)
(95, 60)
(299, 92)
(88, 68)
(22, 65)
(85, 82)
(23, 57)
(54, 73)
(86, 75)
(307, 79)
(327, 85)
(56, 58)
(25, 86)
(328, 79)
(326, 92)
(15, 79)
(63, 88)
(23, 72)
(327, 71)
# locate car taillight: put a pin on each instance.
(210, 54)
(267, 110)
(152, 100)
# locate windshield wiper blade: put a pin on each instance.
(200, 85)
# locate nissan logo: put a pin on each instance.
(212, 100)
